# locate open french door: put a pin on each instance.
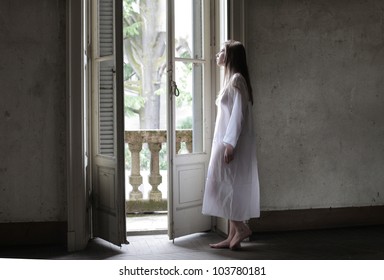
(108, 197)
(187, 169)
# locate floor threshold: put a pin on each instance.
(147, 232)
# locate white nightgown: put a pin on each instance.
(232, 189)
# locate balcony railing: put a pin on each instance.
(154, 139)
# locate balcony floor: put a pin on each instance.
(146, 224)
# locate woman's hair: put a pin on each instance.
(235, 61)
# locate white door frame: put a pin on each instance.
(78, 218)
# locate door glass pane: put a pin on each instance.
(188, 29)
(189, 108)
(189, 66)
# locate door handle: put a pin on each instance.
(174, 89)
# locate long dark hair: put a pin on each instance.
(236, 62)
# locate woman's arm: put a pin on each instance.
(235, 124)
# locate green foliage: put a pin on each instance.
(128, 71)
(131, 26)
(184, 70)
(132, 30)
(185, 123)
(133, 99)
(133, 103)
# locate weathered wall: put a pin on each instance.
(32, 110)
(318, 73)
(317, 68)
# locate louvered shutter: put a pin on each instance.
(106, 77)
(108, 180)
(106, 28)
(106, 103)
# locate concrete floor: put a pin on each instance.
(139, 223)
(361, 243)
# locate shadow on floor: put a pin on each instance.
(363, 243)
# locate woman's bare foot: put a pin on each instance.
(242, 232)
(221, 245)
(224, 245)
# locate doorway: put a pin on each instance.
(97, 179)
(167, 111)
(145, 115)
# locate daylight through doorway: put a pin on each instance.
(144, 35)
(167, 47)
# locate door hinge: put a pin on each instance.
(88, 51)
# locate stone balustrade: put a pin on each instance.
(154, 139)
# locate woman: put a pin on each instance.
(232, 186)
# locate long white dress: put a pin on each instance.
(232, 190)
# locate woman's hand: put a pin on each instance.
(228, 153)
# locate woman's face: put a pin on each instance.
(220, 57)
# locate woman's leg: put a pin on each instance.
(242, 231)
